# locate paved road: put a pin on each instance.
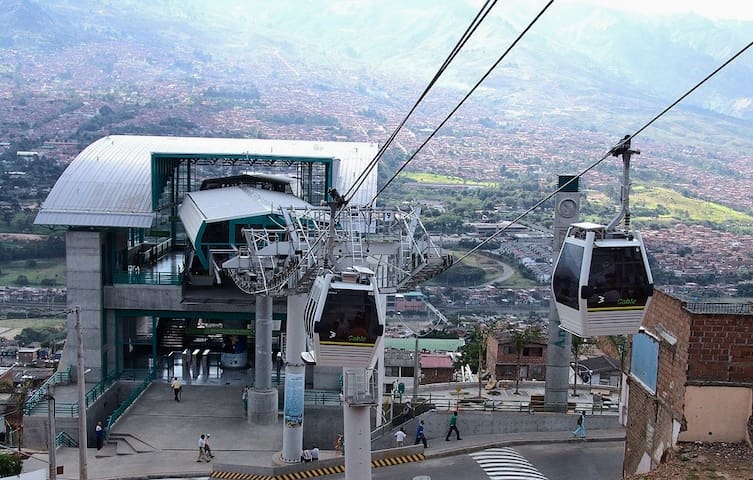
(564, 461)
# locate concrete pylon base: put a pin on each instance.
(262, 407)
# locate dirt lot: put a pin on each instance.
(702, 461)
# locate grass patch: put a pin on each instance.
(35, 271)
(32, 322)
(658, 204)
(684, 208)
(434, 178)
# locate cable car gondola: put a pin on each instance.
(344, 319)
(602, 282)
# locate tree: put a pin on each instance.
(10, 465)
(577, 346)
(620, 343)
(519, 340)
(47, 336)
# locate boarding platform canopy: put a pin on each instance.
(124, 180)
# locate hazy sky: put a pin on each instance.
(716, 9)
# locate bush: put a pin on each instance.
(9, 465)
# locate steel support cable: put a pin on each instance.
(462, 101)
(480, 16)
(478, 19)
(616, 147)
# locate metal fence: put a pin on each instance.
(720, 308)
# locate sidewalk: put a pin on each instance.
(177, 463)
(157, 438)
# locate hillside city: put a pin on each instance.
(482, 325)
(54, 109)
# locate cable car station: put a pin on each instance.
(188, 257)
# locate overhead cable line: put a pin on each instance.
(462, 101)
(480, 16)
(617, 147)
(486, 8)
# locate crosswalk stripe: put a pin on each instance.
(506, 464)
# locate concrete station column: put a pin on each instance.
(262, 399)
(295, 379)
(559, 343)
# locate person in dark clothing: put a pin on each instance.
(420, 436)
(453, 426)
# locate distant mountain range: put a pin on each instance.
(579, 65)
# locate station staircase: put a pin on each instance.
(426, 270)
(171, 333)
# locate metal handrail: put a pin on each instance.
(147, 278)
(100, 388)
(41, 393)
(322, 397)
(63, 438)
(135, 394)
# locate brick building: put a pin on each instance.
(502, 357)
(691, 379)
(436, 368)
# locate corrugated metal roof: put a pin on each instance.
(222, 204)
(431, 344)
(109, 183)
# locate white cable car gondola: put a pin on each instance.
(344, 319)
(602, 282)
(602, 285)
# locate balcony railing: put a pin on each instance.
(147, 278)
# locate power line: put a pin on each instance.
(617, 147)
(462, 101)
(477, 20)
(480, 16)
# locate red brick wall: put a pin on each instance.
(651, 416)
(436, 375)
(721, 348)
(499, 356)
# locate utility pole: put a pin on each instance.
(51, 434)
(416, 368)
(82, 433)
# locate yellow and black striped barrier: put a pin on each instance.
(315, 472)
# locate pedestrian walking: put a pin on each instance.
(177, 387)
(420, 435)
(453, 426)
(207, 448)
(306, 456)
(202, 452)
(99, 434)
(278, 364)
(581, 430)
(244, 397)
(340, 444)
(400, 437)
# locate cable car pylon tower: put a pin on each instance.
(602, 281)
(334, 263)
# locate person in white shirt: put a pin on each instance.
(400, 437)
(306, 456)
(315, 454)
(177, 387)
(202, 452)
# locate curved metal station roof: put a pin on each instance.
(223, 204)
(109, 184)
